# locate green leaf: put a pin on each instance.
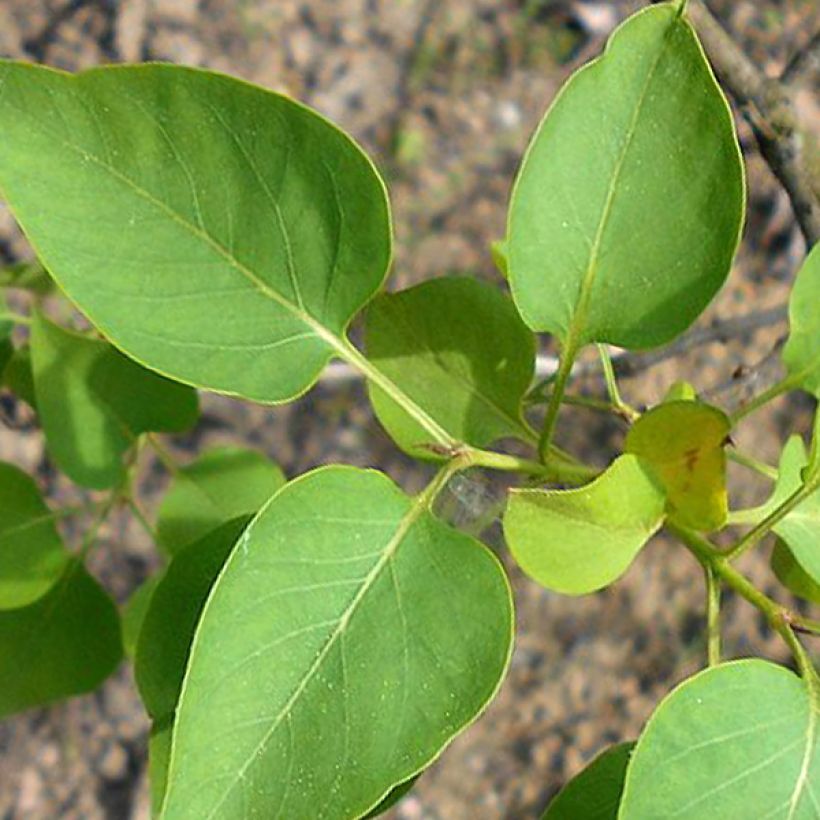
(792, 575)
(595, 792)
(737, 740)
(800, 529)
(579, 541)
(6, 325)
(681, 391)
(235, 232)
(66, 643)
(172, 616)
(32, 557)
(133, 613)
(348, 638)
(159, 753)
(219, 485)
(396, 794)
(683, 444)
(6, 352)
(17, 376)
(456, 347)
(802, 351)
(629, 203)
(31, 276)
(498, 250)
(93, 402)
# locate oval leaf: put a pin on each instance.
(595, 792)
(32, 556)
(802, 351)
(93, 402)
(792, 575)
(457, 347)
(578, 541)
(66, 643)
(221, 484)
(737, 740)
(235, 232)
(629, 203)
(683, 444)
(349, 637)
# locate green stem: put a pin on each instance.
(168, 461)
(17, 318)
(91, 533)
(761, 529)
(564, 370)
(779, 617)
(142, 519)
(752, 463)
(619, 405)
(552, 470)
(777, 389)
(712, 616)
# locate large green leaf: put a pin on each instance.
(595, 792)
(65, 643)
(628, 206)
(217, 232)
(93, 402)
(457, 347)
(578, 541)
(802, 351)
(683, 444)
(348, 638)
(219, 485)
(32, 556)
(737, 740)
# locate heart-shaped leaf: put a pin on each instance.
(32, 556)
(221, 484)
(457, 347)
(802, 351)
(683, 444)
(595, 792)
(65, 643)
(737, 740)
(235, 232)
(348, 638)
(579, 541)
(93, 402)
(628, 206)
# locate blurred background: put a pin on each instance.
(444, 96)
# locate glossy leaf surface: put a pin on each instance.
(32, 556)
(348, 638)
(628, 206)
(595, 792)
(737, 740)
(64, 644)
(457, 347)
(221, 484)
(578, 541)
(683, 444)
(236, 232)
(802, 351)
(93, 402)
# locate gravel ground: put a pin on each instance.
(444, 95)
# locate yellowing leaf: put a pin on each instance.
(682, 444)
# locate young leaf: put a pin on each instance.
(579, 541)
(66, 643)
(235, 232)
(683, 444)
(802, 351)
(32, 557)
(219, 485)
(792, 575)
(595, 792)
(93, 402)
(800, 529)
(737, 740)
(348, 638)
(457, 347)
(628, 206)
